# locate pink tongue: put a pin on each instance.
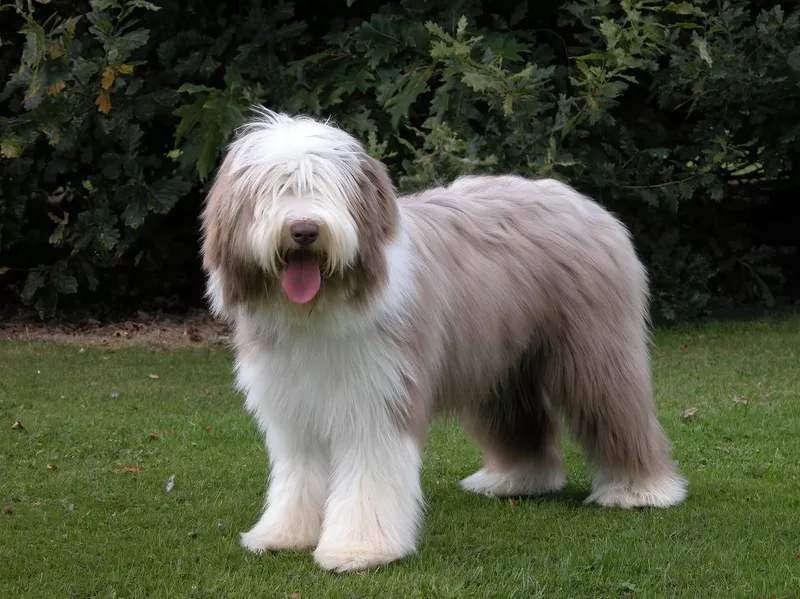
(302, 278)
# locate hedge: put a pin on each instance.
(681, 117)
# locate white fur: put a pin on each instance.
(624, 492)
(521, 480)
(327, 403)
(306, 171)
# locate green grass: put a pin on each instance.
(84, 530)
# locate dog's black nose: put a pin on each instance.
(304, 232)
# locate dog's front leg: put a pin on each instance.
(296, 495)
(374, 509)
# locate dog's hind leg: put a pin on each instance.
(601, 379)
(516, 430)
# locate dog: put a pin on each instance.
(359, 316)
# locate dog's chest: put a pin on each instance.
(329, 384)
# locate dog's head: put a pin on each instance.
(298, 211)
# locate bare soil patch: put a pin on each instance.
(197, 329)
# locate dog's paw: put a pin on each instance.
(517, 482)
(353, 558)
(664, 491)
(262, 538)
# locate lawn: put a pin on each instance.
(87, 512)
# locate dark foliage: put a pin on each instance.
(683, 118)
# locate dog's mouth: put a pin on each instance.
(302, 276)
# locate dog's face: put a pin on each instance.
(299, 211)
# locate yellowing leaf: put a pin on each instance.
(103, 102)
(125, 69)
(53, 135)
(108, 77)
(52, 90)
(10, 149)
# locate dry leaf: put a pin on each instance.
(17, 426)
(108, 78)
(125, 69)
(128, 469)
(295, 596)
(8, 509)
(103, 102)
(185, 398)
(738, 399)
(154, 437)
(195, 337)
(191, 534)
(689, 413)
(511, 502)
(725, 450)
(682, 346)
(208, 428)
(153, 376)
(52, 90)
(36, 503)
(51, 466)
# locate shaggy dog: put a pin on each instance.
(359, 316)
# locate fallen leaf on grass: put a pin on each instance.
(17, 426)
(191, 534)
(798, 554)
(154, 437)
(128, 469)
(208, 428)
(36, 503)
(738, 399)
(725, 450)
(51, 466)
(682, 346)
(511, 502)
(689, 413)
(171, 483)
(295, 596)
(152, 376)
(8, 509)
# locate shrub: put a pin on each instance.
(680, 117)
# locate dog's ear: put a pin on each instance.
(217, 220)
(376, 209)
(377, 218)
(224, 223)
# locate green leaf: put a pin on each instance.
(193, 88)
(165, 193)
(479, 82)
(414, 84)
(143, 4)
(189, 115)
(211, 147)
(33, 283)
(65, 283)
(685, 8)
(134, 214)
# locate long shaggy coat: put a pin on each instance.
(508, 303)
